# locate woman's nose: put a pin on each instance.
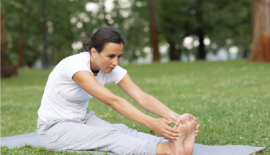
(115, 62)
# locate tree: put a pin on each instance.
(153, 30)
(44, 30)
(74, 23)
(7, 68)
(132, 18)
(20, 51)
(61, 33)
(219, 20)
(71, 26)
(260, 48)
(175, 24)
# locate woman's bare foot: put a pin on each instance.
(190, 138)
(175, 147)
(178, 145)
(188, 116)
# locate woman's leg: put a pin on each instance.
(163, 145)
(95, 121)
(76, 136)
(134, 133)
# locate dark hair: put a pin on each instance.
(102, 37)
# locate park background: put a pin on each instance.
(195, 56)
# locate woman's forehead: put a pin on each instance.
(113, 48)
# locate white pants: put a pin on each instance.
(92, 133)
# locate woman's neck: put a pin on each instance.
(93, 66)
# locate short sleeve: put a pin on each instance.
(117, 74)
(75, 66)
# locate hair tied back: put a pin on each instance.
(86, 44)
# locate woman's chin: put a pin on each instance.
(108, 71)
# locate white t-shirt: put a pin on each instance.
(62, 97)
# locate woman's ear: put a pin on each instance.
(93, 51)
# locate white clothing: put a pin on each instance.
(92, 133)
(62, 97)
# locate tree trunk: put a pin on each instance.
(20, 51)
(201, 49)
(174, 54)
(44, 22)
(153, 29)
(260, 48)
(7, 68)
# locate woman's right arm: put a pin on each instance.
(87, 81)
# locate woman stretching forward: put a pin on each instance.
(64, 124)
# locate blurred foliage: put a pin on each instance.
(220, 20)
(60, 34)
(68, 22)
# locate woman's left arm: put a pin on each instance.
(147, 101)
(150, 103)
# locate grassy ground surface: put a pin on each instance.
(230, 99)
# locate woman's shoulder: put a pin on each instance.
(80, 56)
(72, 64)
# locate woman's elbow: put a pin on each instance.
(143, 99)
(113, 102)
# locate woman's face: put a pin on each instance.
(109, 57)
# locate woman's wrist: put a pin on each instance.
(149, 121)
(174, 117)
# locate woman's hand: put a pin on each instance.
(185, 117)
(161, 127)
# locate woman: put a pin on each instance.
(64, 124)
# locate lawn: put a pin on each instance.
(230, 99)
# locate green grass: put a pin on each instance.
(230, 99)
